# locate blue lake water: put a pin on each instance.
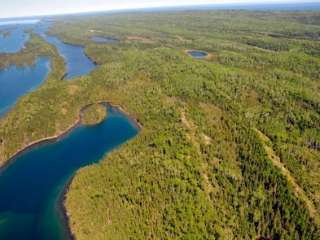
(7, 22)
(14, 35)
(32, 184)
(12, 39)
(197, 54)
(102, 40)
(77, 62)
(18, 81)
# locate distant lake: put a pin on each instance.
(77, 62)
(100, 39)
(19, 22)
(13, 35)
(18, 81)
(32, 185)
(12, 39)
(197, 54)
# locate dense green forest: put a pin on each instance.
(93, 114)
(230, 145)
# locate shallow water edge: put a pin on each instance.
(59, 208)
(59, 136)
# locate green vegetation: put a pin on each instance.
(17, 129)
(34, 48)
(93, 114)
(206, 163)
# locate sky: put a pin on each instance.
(18, 8)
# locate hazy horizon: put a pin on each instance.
(34, 8)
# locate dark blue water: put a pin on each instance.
(14, 41)
(100, 39)
(30, 186)
(18, 81)
(197, 54)
(77, 62)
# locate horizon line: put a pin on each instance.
(187, 6)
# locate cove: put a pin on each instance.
(197, 54)
(12, 38)
(77, 62)
(13, 35)
(32, 185)
(18, 81)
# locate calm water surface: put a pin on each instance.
(18, 81)
(77, 62)
(13, 34)
(12, 38)
(100, 39)
(31, 185)
(198, 54)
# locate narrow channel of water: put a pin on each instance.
(77, 62)
(32, 184)
(18, 81)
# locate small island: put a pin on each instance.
(94, 114)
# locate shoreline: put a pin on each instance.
(61, 206)
(40, 142)
(62, 209)
(133, 119)
(64, 133)
(37, 143)
(65, 216)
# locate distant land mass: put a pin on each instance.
(296, 6)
